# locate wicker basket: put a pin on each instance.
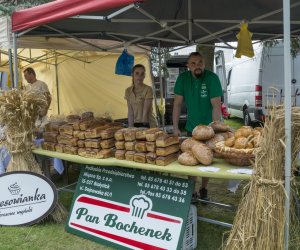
(240, 157)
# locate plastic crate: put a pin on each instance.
(190, 234)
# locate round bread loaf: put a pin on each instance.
(230, 142)
(187, 144)
(202, 132)
(203, 154)
(219, 126)
(188, 159)
(212, 142)
(240, 143)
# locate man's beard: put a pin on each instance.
(198, 73)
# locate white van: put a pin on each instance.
(253, 82)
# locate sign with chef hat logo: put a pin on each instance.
(130, 209)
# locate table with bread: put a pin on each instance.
(85, 139)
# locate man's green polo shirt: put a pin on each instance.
(197, 94)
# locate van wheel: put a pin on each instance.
(247, 119)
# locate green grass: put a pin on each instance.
(234, 122)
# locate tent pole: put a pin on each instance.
(287, 121)
(190, 19)
(15, 85)
(57, 87)
(161, 86)
(11, 67)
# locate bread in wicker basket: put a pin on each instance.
(240, 157)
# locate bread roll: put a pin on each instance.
(167, 140)
(230, 142)
(240, 143)
(151, 157)
(129, 155)
(120, 154)
(140, 157)
(187, 144)
(130, 145)
(202, 132)
(167, 150)
(108, 143)
(120, 144)
(219, 126)
(246, 131)
(203, 154)
(140, 146)
(211, 143)
(166, 160)
(188, 159)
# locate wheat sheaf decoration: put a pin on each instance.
(19, 110)
(259, 222)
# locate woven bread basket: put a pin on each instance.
(240, 157)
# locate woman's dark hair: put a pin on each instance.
(137, 66)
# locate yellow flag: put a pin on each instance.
(244, 42)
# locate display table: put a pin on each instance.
(174, 168)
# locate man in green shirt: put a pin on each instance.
(201, 89)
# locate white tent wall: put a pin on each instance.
(90, 86)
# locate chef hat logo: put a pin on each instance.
(139, 205)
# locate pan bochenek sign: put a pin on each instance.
(130, 209)
(26, 198)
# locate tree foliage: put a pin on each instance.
(7, 7)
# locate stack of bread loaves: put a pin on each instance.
(142, 145)
(201, 147)
(50, 135)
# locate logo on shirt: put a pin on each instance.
(203, 91)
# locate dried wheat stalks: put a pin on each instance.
(259, 222)
(19, 111)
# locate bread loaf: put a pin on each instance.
(76, 125)
(188, 159)
(66, 129)
(129, 155)
(95, 132)
(92, 143)
(129, 134)
(67, 139)
(59, 148)
(87, 116)
(140, 157)
(167, 150)
(90, 124)
(120, 154)
(151, 158)
(50, 137)
(240, 143)
(105, 153)
(187, 144)
(81, 143)
(120, 144)
(48, 146)
(81, 152)
(73, 118)
(119, 134)
(151, 146)
(70, 150)
(202, 132)
(211, 143)
(203, 154)
(219, 126)
(108, 133)
(81, 135)
(141, 134)
(166, 140)
(76, 133)
(166, 160)
(153, 133)
(140, 146)
(108, 143)
(53, 126)
(130, 145)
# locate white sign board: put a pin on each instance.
(26, 198)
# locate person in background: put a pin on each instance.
(37, 86)
(139, 98)
(201, 89)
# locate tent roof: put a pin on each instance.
(173, 22)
